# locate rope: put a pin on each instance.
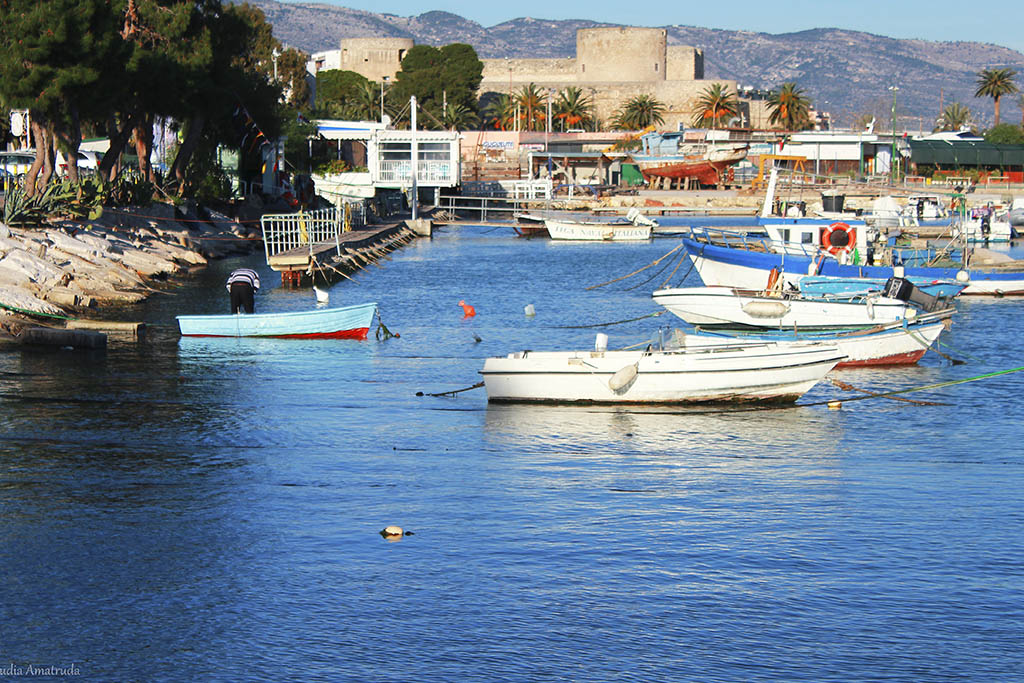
(383, 333)
(849, 387)
(653, 263)
(452, 393)
(26, 311)
(617, 322)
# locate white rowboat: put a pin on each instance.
(765, 372)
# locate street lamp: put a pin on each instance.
(383, 84)
(892, 159)
(273, 56)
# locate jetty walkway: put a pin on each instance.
(326, 243)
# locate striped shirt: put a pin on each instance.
(247, 275)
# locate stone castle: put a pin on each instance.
(611, 66)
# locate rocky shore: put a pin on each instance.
(69, 267)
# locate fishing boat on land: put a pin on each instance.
(768, 372)
(687, 154)
(897, 343)
(635, 227)
(346, 322)
(744, 261)
(721, 307)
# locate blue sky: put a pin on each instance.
(995, 21)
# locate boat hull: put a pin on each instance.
(770, 372)
(885, 346)
(732, 308)
(348, 322)
(742, 268)
(707, 169)
(597, 232)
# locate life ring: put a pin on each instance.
(844, 244)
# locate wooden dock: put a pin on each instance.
(331, 259)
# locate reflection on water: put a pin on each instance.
(172, 503)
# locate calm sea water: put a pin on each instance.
(209, 509)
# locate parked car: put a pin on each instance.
(17, 163)
(88, 162)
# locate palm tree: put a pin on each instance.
(573, 109)
(532, 102)
(789, 107)
(639, 112)
(459, 117)
(954, 117)
(500, 113)
(716, 105)
(995, 83)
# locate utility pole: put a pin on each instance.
(892, 159)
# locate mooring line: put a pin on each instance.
(653, 263)
(617, 322)
(453, 392)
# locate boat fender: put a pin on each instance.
(963, 276)
(871, 307)
(622, 380)
(766, 309)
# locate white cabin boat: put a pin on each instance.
(766, 372)
(635, 227)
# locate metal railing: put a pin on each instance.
(430, 172)
(286, 231)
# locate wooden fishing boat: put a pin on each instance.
(731, 308)
(897, 343)
(346, 322)
(593, 231)
(766, 372)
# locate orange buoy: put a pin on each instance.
(467, 310)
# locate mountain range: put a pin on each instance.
(846, 73)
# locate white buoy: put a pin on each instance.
(601, 343)
(392, 533)
(529, 310)
(322, 296)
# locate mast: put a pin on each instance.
(415, 155)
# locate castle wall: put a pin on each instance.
(498, 73)
(620, 54)
(374, 58)
(683, 63)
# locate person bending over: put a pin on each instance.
(242, 284)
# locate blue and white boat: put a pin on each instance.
(347, 322)
(742, 261)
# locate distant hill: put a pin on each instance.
(847, 73)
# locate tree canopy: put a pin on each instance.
(120, 66)
(1005, 134)
(439, 77)
(639, 112)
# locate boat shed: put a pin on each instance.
(964, 154)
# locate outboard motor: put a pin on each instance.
(904, 290)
